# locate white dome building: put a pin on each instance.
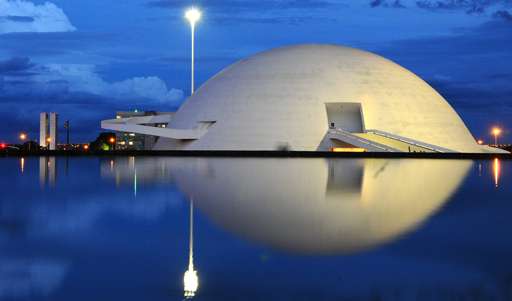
(312, 98)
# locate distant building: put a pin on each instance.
(139, 141)
(48, 130)
(43, 129)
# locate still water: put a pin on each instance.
(137, 228)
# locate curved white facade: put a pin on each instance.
(278, 98)
(314, 97)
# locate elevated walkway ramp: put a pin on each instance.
(139, 125)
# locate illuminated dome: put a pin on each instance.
(309, 98)
(290, 97)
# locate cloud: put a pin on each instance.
(255, 12)
(503, 14)
(243, 5)
(53, 44)
(15, 65)
(387, 3)
(25, 16)
(21, 77)
(469, 6)
(84, 78)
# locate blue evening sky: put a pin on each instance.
(87, 59)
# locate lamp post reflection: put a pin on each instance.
(190, 279)
(22, 164)
(496, 171)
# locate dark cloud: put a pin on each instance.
(387, 3)
(23, 19)
(469, 6)
(15, 66)
(242, 4)
(503, 14)
(52, 43)
(232, 12)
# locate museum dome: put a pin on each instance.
(292, 97)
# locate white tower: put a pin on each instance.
(43, 129)
(53, 130)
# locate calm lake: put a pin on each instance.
(132, 228)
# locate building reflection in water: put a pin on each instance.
(190, 279)
(312, 206)
(496, 171)
(305, 206)
(47, 171)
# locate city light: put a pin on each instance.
(86, 146)
(496, 131)
(112, 140)
(3, 145)
(23, 136)
(480, 141)
(48, 139)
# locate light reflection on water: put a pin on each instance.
(371, 216)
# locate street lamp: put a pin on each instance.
(192, 15)
(112, 141)
(23, 137)
(496, 131)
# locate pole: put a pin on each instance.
(67, 133)
(192, 27)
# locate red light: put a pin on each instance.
(3, 145)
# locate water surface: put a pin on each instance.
(129, 228)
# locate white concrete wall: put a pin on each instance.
(278, 97)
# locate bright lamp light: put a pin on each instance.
(193, 15)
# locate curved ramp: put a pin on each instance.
(139, 125)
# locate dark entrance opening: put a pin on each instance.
(346, 116)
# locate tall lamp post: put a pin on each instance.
(192, 15)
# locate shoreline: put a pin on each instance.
(256, 154)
